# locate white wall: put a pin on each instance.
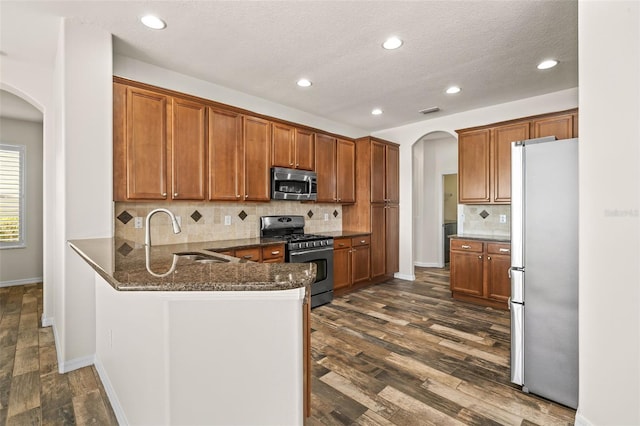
(609, 42)
(407, 135)
(140, 71)
(439, 152)
(24, 265)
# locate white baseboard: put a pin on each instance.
(111, 393)
(428, 265)
(74, 364)
(46, 321)
(580, 420)
(24, 281)
(406, 277)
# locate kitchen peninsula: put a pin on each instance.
(188, 336)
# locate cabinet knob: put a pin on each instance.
(246, 196)
(297, 164)
(479, 257)
(238, 196)
(175, 194)
(488, 257)
(164, 194)
(291, 164)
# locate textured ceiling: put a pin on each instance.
(489, 48)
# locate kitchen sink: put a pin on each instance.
(199, 257)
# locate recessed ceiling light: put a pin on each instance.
(376, 111)
(303, 82)
(153, 22)
(453, 90)
(392, 43)
(549, 63)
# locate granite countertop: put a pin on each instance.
(345, 233)
(494, 238)
(130, 266)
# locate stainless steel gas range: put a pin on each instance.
(304, 248)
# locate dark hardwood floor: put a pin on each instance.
(398, 353)
(405, 353)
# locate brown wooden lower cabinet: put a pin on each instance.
(351, 261)
(480, 272)
(264, 254)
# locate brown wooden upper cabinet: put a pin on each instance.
(484, 154)
(384, 172)
(257, 149)
(291, 147)
(159, 146)
(335, 167)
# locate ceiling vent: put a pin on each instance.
(429, 110)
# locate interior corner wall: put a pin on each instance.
(609, 299)
(84, 96)
(24, 264)
(407, 135)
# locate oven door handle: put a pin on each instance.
(302, 253)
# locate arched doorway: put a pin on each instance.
(434, 156)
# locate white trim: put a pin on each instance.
(74, 364)
(111, 393)
(23, 281)
(46, 321)
(405, 277)
(581, 420)
(428, 264)
(21, 149)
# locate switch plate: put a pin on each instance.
(137, 222)
(326, 216)
(227, 220)
(503, 218)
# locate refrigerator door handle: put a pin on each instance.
(517, 343)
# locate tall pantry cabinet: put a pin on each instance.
(376, 209)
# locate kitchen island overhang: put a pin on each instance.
(225, 346)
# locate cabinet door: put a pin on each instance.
(257, 168)
(119, 142)
(560, 126)
(188, 150)
(341, 263)
(326, 168)
(466, 273)
(392, 165)
(304, 149)
(499, 284)
(378, 240)
(146, 147)
(473, 167)
(360, 263)
(378, 172)
(252, 254)
(501, 158)
(282, 150)
(345, 171)
(392, 238)
(226, 172)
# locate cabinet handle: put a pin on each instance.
(297, 164)
(362, 241)
(464, 246)
(341, 244)
(247, 256)
(504, 250)
(275, 252)
(291, 164)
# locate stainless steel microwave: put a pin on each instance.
(292, 184)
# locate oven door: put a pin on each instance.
(323, 258)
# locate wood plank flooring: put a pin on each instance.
(405, 353)
(398, 353)
(32, 392)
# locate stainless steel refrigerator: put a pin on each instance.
(544, 268)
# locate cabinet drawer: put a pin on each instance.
(273, 252)
(466, 245)
(360, 241)
(340, 243)
(252, 254)
(499, 248)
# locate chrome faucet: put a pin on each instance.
(174, 222)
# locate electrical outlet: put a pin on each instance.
(326, 216)
(503, 218)
(137, 222)
(227, 220)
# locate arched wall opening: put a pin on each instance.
(434, 155)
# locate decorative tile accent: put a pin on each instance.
(242, 215)
(335, 213)
(484, 214)
(124, 217)
(196, 216)
(125, 249)
(310, 214)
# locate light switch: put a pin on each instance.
(137, 222)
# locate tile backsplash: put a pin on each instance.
(205, 221)
(485, 220)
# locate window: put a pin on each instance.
(12, 188)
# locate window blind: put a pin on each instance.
(11, 195)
